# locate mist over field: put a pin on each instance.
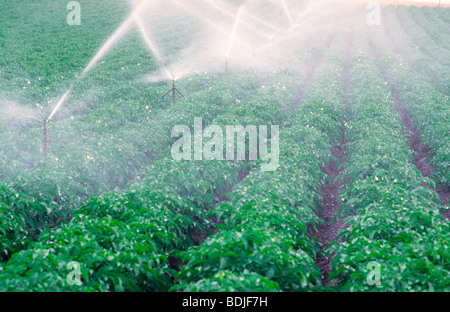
(224, 145)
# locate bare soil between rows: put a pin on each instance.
(421, 157)
(328, 231)
(421, 151)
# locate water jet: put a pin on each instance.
(230, 42)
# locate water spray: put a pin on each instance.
(46, 140)
(112, 40)
(287, 11)
(252, 27)
(211, 23)
(230, 42)
(173, 90)
(150, 44)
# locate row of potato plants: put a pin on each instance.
(46, 197)
(263, 241)
(428, 108)
(84, 160)
(271, 104)
(429, 21)
(421, 37)
(153, 215)
(85, 165)
(394, 224)
(442, 14)
(413, 56)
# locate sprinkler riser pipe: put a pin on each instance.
(226, 66)
(173, 90)
(45, 140)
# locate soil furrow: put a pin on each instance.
(421, 151)
(328, 232)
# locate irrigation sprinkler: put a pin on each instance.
(226, 65)
(173, 92)
(46, 140)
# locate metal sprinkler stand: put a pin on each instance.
(173, 92)
(46, 140)
(226, 65)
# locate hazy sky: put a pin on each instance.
(430, 1)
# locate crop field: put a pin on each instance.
(224, 146)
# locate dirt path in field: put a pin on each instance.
(421, 151)
(329, 231)
(421, 155)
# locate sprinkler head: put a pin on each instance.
(45, 121)
(173, 90)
